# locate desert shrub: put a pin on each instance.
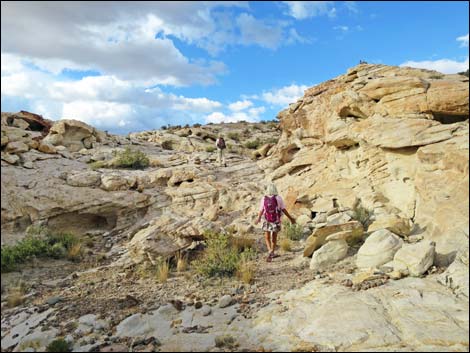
(246, 268)
(362, 214)
(219, 258)
(272, 140)
(53, 245)
(167, 145)
(163, 270)
(99, 164)
(291, 231)
(210, 149)
(15, 297)
(74, 253)
(181, 262)
(465, 73)
(227, 341)
(253, 144)
(197, 125)
(437, 76)
(59, 345)
(242, 243)
(285, 244)
(235, 136)
(132, 159)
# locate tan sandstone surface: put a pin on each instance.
(390, 140)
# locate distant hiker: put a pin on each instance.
(272, 206)
(220, 144)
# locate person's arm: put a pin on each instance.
(292, 220)
(260, 213)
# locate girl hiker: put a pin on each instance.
(220, 144)
(272, 206)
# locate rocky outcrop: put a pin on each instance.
(397, 138)
(72, 134)
(394, 138)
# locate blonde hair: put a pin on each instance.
(271, 190)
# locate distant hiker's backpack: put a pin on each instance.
(272, 213)
(221, 143)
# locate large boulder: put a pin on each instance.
(329, 254)
(415, 259)
(85, 178)
(378, 249)
(319, 236)
(72, 134)
(456, 276)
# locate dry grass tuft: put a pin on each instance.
(163, 271)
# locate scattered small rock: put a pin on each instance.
(225, 301)
(206, 310)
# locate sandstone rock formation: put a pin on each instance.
(394, 138)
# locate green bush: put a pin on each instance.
(253, 144)
(132, 159)
(437, 76)
(465, 73)
(291, 231)
(210, 149)
(59, 345)
(235, 136)
(362, 214)
(33, 245)
(167, 145)
(271, 140)
(99, 164)
(197, 125)
(220, 258)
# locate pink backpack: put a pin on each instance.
(272, 213)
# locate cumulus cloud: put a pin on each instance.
(285, 95)
(259, 32)
(106, 102)
(446, 66)
(250, 115)
(463, 40)
(240, 105)
(301, 10)
(343, 29)
(115, 38)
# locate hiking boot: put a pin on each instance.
(269, 258)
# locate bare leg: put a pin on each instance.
(274, 242)
(267, 237)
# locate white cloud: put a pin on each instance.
(254, 31)
(343, 29)
(351, 6)
(115, 38)
(251, 115)
(445, 66)
(301, 10)
(99, 114)
(463, 40)
(285, 95)
(240, 105)
(219, 117)
(106, 102)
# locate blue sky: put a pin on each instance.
(126, 67)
